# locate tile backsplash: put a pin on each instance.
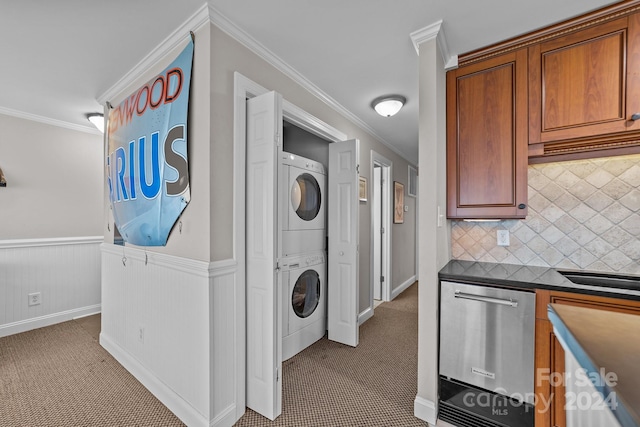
(583, 215)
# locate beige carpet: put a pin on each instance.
(374, 384)
(61, 376)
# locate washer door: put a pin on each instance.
(306, 197)
(306, 294)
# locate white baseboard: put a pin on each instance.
(425, 410)
(47, 320)
(365, 315)
(226, 418)
(403, 287)
(176, 404)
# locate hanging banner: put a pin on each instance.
(147, 162)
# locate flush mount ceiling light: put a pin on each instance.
(97, 119)
(388, 105)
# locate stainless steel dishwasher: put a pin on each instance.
(487, 339)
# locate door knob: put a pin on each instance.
(522, 206)
(635, 117)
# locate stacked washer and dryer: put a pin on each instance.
(303, 267)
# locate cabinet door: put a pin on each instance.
(585, 84)
(550, 389)
(487, 138)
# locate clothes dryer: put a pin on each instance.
(304, 301)
(302, 204)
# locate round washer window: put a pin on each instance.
(305, 196)
(306, 294)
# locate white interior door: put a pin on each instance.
(343, 242)
(264, 325)
(376, 226)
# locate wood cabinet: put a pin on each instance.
(549, 357)
(487, 138)
(584, 85)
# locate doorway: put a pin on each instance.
(381, 168)
(259, 132)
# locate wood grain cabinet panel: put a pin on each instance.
(585, 84)
(486, 138)
(550, 392)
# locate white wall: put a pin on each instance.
(50, 228)
(54, 181)
(434, 241)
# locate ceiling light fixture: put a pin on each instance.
(97, 119)
(388, 105)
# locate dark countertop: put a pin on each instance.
(525, 277)
(604, 342)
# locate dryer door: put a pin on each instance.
(306, 210)
(305, 294)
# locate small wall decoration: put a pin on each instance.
(362, 190)
(398, 206)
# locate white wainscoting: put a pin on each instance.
(172, 323)
(66, 272)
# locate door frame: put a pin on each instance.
(244, 89)
(387, 174)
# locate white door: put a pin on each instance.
(264, 326)
(377, 232)
(343, 242)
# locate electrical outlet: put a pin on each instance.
(503, 237)
(35, 298)
(141, 334)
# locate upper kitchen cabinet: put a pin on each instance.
(487, 138)
(584, 88)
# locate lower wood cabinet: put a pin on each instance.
(549, 355)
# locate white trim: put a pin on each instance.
(387, 174)
(175, 39)
(365, 315)
(48, 121)
(186, 265)
(403, 287)
(56, 241)
(180, 407)
(48, 320)
(430, 32)
(224, 24)
(425, 410)
(226, 417)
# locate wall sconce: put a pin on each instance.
(3, 182)
(388, 105)
(97, 119)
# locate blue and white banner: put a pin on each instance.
(147, 162)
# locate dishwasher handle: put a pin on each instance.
(490, 300)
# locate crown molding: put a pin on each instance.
(430, 32)
(208, 14)
(237, 33)
(174, 40)
(48, 121)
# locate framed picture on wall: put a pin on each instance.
(398, 205)
(362, 190)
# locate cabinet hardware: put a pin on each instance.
(635, 117)
(522, 206)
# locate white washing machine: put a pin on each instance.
(304, 301)
(302, 204)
